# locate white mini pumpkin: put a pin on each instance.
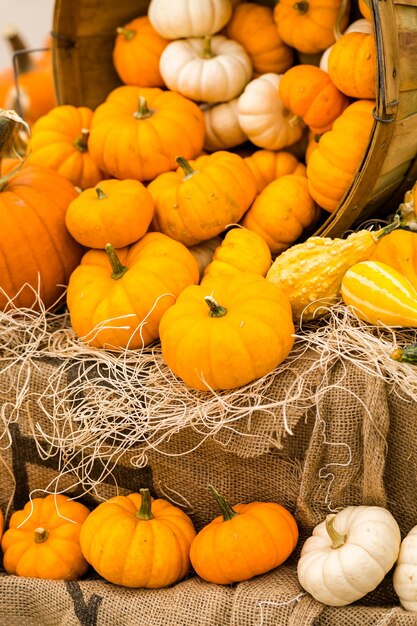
(209, 69)
(223, 130)
(359, 26)
(174, 19)
(349, 554)
(264, 118)
(405, 573)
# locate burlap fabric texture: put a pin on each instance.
(356, 445)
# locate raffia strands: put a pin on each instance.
(97, 405)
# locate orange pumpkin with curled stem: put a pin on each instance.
(117, 298)
(42, 540)
(119, 211)
(311, 95)
(60, 142)
(246, 540)
(268, 165)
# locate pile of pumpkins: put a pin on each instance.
(140, 542)
(160, 228)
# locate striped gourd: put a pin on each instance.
(379, 294)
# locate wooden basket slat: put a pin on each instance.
(402, 144)
(407, 105)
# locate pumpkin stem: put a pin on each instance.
(145, 511)
(118, 269)
(302, 7)
(216, 310)
(81, 143)
(227, 511)
(294, 120)
(338, 540)
(207, 52)
(396, 223)
(405, 355)
(16, 43)
(186, 167)
(127, 33)
(143, 110)
(100, 194)
(41, 535)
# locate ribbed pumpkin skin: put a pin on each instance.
(196, 207)
(352, 65)
(59, 556)
(268, 165)
(125, 146)
(132, 552)
(259, 538)
(281, 212)
(310, 94)
(189, 19)
(60, 142)
(249, 341)
(253, 26)
(404, 577)
(241, 250)
(33, 236)
(379, 294)
(309, 26)
(399, 250)
(332, 165)
(120, 212)
(310, 273)
(159, 269)
(136, 53)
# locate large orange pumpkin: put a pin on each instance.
(37, 251)
(138, 132)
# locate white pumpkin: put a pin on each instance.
(405, 573)
(209, 69)
(349, 554)
(263, 116)
(174, 19)
(223, 130)
(359, 26)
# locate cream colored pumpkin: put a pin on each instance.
(405, 573)
(189, 18)
(209, 69)
(359, 26)
(349, 554)
(223, 130)
(263, 116)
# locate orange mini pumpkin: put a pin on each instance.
(332, 165)
(253, 26)
(268, 165)
(352, 65)
(60, 142)
(116, 299)
(246, 540)
(308, 25)
(281, 212)
(311, 95)
(136, 53)
(202, 197)
(42, 540)
(119, 211)
(138, 132)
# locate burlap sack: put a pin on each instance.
(354, 445)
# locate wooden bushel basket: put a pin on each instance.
(83, 38)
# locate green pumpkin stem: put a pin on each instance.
(186, 167)
(81, 143)
(207, 52)
(145, 511)
(100, 194)
(396, 223)
(302, 7)
(227, 511)
(338, 540)
(127, 33)
(143, 110)
(118, 269)
(41, 535)
(405, 355)
(216, 310)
